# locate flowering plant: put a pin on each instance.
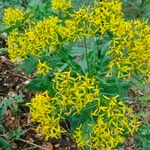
(80, 56)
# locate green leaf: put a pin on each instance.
(35, 3)
(8, 102)
(67, 58)
(113, 86)
(105, 48)
(40, 83)
(29, 65)
(2, 129)
(16, 134)
(4, 144)
(146, 8)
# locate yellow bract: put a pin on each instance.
(114, 121)
(43, 68)
(75, 93)
(45, 113)
(11, 16)
(61, 5)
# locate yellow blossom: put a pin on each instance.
(79, 137)
(130, 49)
(33, 40)
(43, 68)
(44, 112)
(114, 120)
(11, 16)
(61, 5)
(75, 92)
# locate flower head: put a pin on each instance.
(11, 16)
(75, 92)
(61, 5)
(43, 68)
(111, 122)
(44, 112)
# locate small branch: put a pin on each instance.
(29, 148)
(33, 144)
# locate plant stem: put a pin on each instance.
(86, 54)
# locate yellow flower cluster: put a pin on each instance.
(82, 23)
(130, 49)
(33, 41)
(106, 15)
(11, 16)
(74, 93)
(114, 121)
(43, 68)
(78, 135)
(61, 5)
(46, 114)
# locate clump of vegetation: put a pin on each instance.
(84, 61)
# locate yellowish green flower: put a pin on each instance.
(61, 5)
(75, 92)
(43, 68)
(112, 119)
(43, 111)
(78, 135)
(11, 16)
(83, 23)
(112, 122)
(34, 40)
(130, 49)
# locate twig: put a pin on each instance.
(33, 144)
(28, 148)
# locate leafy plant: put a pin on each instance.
(10, 103)
(83, 60)
(143, 137)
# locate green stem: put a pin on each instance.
(86, 54)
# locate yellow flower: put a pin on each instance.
(43, 68)
(11, 16)
(43, 111)
(61, 5)
(13, 42)
(34, 40)
(79, 137)
(130, 49)
(75, 92)
(114, 120)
